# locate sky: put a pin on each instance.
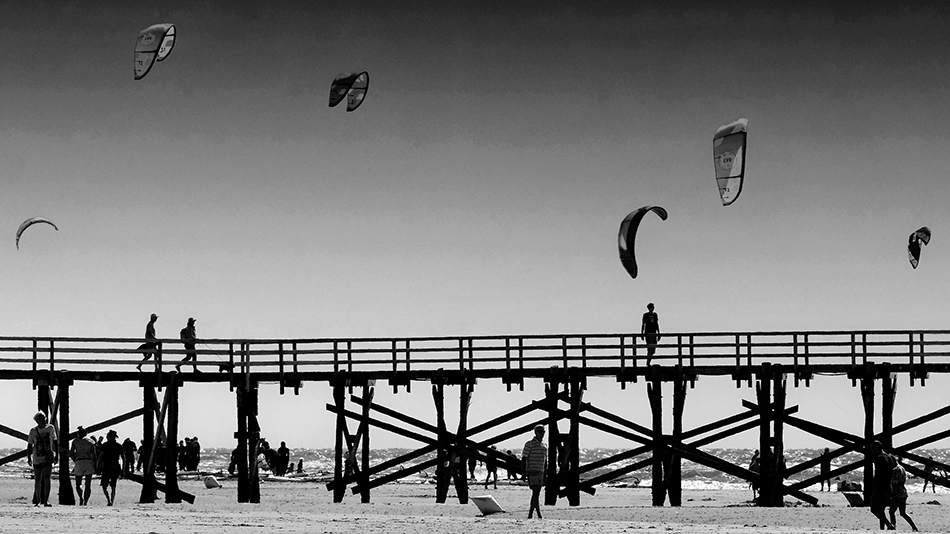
(477, 191)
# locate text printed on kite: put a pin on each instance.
(349, 85)
(922, 235)
(28, 223)
(628, 235)
(154, 43)
(729, 153)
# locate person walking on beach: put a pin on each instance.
(148, 348)
(534, 463)
(41, 450)
(492, 469)
(755, 465)
(825, 469)
(929, 475)
(883, 465)
(650, 330)
(899, 496)
(111, 453)
(188, 337)
(83, 454)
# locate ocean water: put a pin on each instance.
(318, 466)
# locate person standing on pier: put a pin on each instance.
(534, 463)
(148, 348)
(650, 330)
(188, 337)
(41, 447)
(83, 454)
(881, 483)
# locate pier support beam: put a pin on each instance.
(339, 398)
(674, 481)
(253, 443)
(763, 388)
(444, 470)
(148, 439)
(368, 393)
(867, 395)
(888, 397)
(778, 436)
(460, 468)
(171, 449)
(66, 495)
(660, 451)
(571, 462)
(243, 486)
(553, 483)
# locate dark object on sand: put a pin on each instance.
(855, 500)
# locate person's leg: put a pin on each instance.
(890, 510)
(47, 483)
(903, 509)
(112, 498)
(79, 489)
(37, 484)
(88, 490)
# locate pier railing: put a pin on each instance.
(597, 354)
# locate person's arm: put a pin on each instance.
(643, 327)
(524, 459)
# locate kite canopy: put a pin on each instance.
(352, 86)
(628, 235)
(913, 245)
(729, 149)
(28, 223)
(154, 43)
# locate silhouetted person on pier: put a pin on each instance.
(150, 346)
(650, 330)
(881, 483)
(825, 469)
(83, 453)
(188, 337)
(41, 449)
(899, 496)
(534, 463)
(111, 469)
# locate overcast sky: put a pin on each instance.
(477, 191)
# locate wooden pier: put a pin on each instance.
(764, 362)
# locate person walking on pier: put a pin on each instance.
(41, 449)
(881, 483)
(83, 454)
(149, 347)
(534, 463)
(188, 339)
(650, 330)
(111, 453)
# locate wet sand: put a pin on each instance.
(291, 507)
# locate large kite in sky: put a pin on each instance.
(628, 236)
(729, 150)
(28, 223)
(349, 85)
(913, 245)
(154, 43)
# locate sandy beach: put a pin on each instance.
(406, 508)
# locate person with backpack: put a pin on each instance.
(41, 448)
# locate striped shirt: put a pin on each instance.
(534, 459)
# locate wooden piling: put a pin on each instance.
(766, 459)
(339, 398)
(778, 437)
(572, 462)
(466, 389)
(867, 396)
(674, 476)
(243, 484)
(66, 495)
(172, 495)
(655, 394)
(552, 483)
(148, 438)
(253, 442)
(368, 394)
(888, 397)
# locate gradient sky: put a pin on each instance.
(477, 191)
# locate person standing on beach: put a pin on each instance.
(148, 348)
(111, 453)
(755, 465)
(41, 448)
(492, 469)
(188, 337)
(283, 458)
(650, 330)
(534, 463)
(128, 456)
(881, 483)
(83, 454)
(825, 469)
(899, 496)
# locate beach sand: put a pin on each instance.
(290, 507)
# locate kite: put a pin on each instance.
(729, 149)
(913, 245)
(28, 223)
(353, 86)
(154, 43)
(628, 236)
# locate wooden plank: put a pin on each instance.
(15, 433)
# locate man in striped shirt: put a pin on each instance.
(534, 463)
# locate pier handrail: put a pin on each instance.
(714, 352)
